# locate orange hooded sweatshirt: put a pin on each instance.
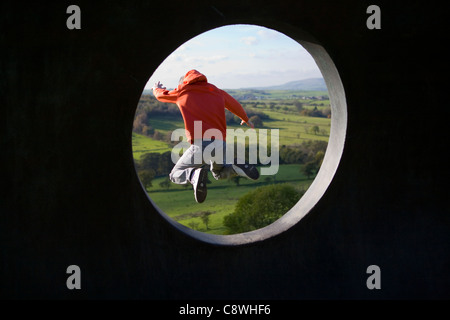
(199, 100)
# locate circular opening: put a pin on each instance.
(259, 88)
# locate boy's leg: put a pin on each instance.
(224, 170)
(184, 168)
(246, 170)
(218, 166)
(221, 171)
(199, 179)
(188, 170)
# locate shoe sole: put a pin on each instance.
(201, 190)
(252, 172)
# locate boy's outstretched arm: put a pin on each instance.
(235, 107)
(164, 95)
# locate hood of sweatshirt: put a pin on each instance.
(193, 76)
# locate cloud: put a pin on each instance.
(211, 59)
(239, 57)
(181, 57)
(268, 34)
(249, 40)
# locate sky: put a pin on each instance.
(238, 56)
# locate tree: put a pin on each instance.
(319, 158)
(315, 130)
(146, 177)
(205, 218)
(261, 206)
(165, 183)
(160, 163)
(327, 113)
(309, 168)
(147, 130)
(149, 161)
(165, 163)
(257, 122)
(157, 135)
(313, 166)
(299, 106)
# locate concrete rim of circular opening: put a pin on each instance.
(324, 177)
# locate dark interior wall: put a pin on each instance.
(71, 196)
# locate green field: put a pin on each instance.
(142, 144)
(178, 201)
(295, 128)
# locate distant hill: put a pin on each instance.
(312, 84)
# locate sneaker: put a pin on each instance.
(199, 178)
(246, 170)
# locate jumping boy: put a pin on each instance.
(203, 103)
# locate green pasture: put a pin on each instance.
(142, 145)
(178, 201)
(294, 128)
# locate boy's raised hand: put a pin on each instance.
(158, 85)
(249, 123)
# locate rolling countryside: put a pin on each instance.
(303, 119)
